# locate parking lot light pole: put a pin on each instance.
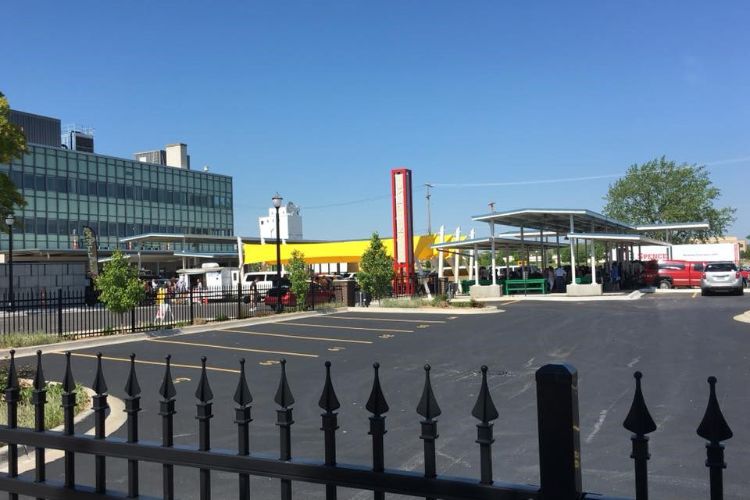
(277, 204)
(9, 220)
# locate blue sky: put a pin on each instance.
(318, 100)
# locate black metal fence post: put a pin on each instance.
(640, 423)
(239, 300)
(68, 405)
(204, 415)
(167, 411)
(132, 407)
(330, 403)
(485, 411)
(377, 405)
(132, 319)
(284, 421)
(12, 391)
(192, 313)
(39, 399)
(428, 408)
(100, 407)
(714, 429)
(311, 291)
(59, 312)
(242, 418)
(559, 441)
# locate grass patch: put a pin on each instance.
(438, 301)
(53, 413)
(10, 340)
(408, 303)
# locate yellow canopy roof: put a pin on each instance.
(335, 251)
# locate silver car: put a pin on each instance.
(721, 277)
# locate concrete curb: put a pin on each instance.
(27, 455)
(426, 310)
(635, 295)
(74, 345)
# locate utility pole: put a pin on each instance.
(429, 214)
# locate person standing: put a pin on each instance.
(560, 275)
(161, 297)
(551, 278)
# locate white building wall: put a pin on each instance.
(290, 223)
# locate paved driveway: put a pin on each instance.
(676, 340)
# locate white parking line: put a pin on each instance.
(363, 318)
(301, 337)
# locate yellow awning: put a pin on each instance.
(335, 251)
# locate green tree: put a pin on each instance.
(375, 269)
(660, 191)
(119, 287)
(12, 145)
(298, 276)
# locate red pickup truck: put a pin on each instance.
(672, 273)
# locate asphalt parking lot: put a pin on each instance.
(676, 340)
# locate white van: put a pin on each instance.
(263, 281)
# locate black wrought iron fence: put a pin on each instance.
(78, 314)
(558, 432)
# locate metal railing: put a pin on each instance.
(78, 314)
(558, 432)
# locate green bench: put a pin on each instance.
(527, 285)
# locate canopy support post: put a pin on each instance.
(492, 250)
(573, 247)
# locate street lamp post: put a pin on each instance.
(277, 204)
(9, 220)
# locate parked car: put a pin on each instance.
(722, 277)
(284, 296)
(672, 273)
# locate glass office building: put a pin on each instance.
(66, 190)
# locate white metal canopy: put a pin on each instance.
(637, 239)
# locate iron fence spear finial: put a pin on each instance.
(714, 429)
(284, 397)
(640, 423)
(485, 411)
(242, 394)
(167, 389)
(376, 404)
(328, 400)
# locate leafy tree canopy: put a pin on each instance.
(660, 191)
(375, 269)
(298, 276)
(12, 145)
(118, 284)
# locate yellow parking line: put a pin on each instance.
(388, 319)
(351, 328)
(301, 337)
(244, 349)
(157, 363)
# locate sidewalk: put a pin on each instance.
(558, 297)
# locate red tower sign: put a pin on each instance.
(403, 222)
